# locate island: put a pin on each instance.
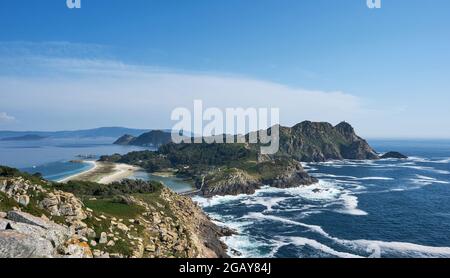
(232, 169)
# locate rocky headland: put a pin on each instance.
(131, 219)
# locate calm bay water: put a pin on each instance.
(51, 157)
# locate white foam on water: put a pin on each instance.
(443, 161)
(260, 216)
(268, 202)
(418, 159)
(426, 168)
(351, 205)
(245, 245)
(424, 180)
(374, 247)
(217, 200)
(402, 248)
(375, 178)
(302, 241)
(328, 193)
(440, 160)
(323, 175)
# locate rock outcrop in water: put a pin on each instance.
(132, 219)
(395, 155)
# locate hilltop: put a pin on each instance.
(154, 138)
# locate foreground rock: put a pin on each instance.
(23, 235)
(153, 223)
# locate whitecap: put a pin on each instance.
(425, 168)
(268, 202)
(302, 241)
(351, 205)
(375, 178)
(217, 200)
(424, 180)
(375, 247)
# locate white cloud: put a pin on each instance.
(105, 92)
(4, 117)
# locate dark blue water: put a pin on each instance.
(51, 157)
(389, 208)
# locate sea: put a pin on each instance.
(387, 208)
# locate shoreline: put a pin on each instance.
(103, 172)
(72, 177)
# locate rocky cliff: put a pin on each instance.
(37, 219)
(280, 173)
(318, 142)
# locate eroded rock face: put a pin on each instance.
(14, 244)
(292, 175)
(318, 142)
(64, 204)
(230, 182)
(19, 189)
(32, 225)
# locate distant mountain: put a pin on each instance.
(29, 137)
(154, 138)
(113, 132)
(125, 140)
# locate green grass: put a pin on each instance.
(6, 203)
(152, 199)
(114, 208)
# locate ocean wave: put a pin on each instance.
(375, 178)
(373, 248)
(217, 200)
(246, 246)
(327, 194)
(424, 180)
(441, 160)
(426, 168)
(268, 202)
(351, 205)
(302, 241)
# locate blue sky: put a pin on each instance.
(385, 71)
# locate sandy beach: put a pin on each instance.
(104, 172)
